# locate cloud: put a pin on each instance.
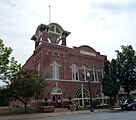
(102, 24)
(17, 27)
(113, 23)
(115, 7)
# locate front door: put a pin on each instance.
(57, 100)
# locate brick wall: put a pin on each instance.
(46, 53)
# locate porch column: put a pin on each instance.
(82, 90)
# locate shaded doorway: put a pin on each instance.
(56, 94)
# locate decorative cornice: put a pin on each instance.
(77, 81)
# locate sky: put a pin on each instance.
(104, 25)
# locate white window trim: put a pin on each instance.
(74, 71)
(55, 70)
(102, 73)
(95, 74)
(85, 71)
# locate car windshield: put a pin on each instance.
(126, 101)
(129, 101)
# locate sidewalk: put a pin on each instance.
(44, 115)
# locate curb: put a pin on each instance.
(43, 115)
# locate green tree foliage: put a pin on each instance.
(110, 85)
(8, 66)
(25, 85)
(126, 62)
(3, 97)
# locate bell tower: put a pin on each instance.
(52, 33)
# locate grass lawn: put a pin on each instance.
(14, 111)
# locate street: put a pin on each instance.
(119, 115)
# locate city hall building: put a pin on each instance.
(68, 69)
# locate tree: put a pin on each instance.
(110, 85)
(126, 62)
(25, 85)
(8, 66)
(3, 97)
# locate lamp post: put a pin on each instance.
(88, 76)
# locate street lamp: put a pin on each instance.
(88, 76)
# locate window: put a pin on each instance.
(85, 71)
(79, 93)
(59, 98)
(75, 73)
(55, 70)
(38, 67)
(102, 72)
(82, 96)
(95, 74)
(55, 29)
(52, 28)
(58, 30)
(54, 99)
(56, 90)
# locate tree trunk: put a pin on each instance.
(128, 94)
(111, 105)
(127, 90)
(25, 104)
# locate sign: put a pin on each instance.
(87, 53)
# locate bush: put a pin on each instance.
(105, 106)
(116, 105)
(14, 111)
(96, 103)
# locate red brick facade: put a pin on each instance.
(66, 67)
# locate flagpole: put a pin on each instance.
(49, 14)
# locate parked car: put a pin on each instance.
(129, 104)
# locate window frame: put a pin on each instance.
(55, 70)
(75, 72)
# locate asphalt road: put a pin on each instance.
(119, 115)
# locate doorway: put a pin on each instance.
(57, 97)
(57, 101)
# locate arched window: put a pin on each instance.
(52, 28)
(38, 67)
(56, 95)
(79, 93)
(75, 73)
(54, 99)
(82, 96)
(56, 90)
(55, 70)
(55, 29)
(98, 93)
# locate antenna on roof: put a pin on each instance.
(49, 14)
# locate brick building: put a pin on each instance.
(67, 67)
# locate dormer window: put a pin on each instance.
(52, 33)
(55, 29)
(52, 28)
(58, 30)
